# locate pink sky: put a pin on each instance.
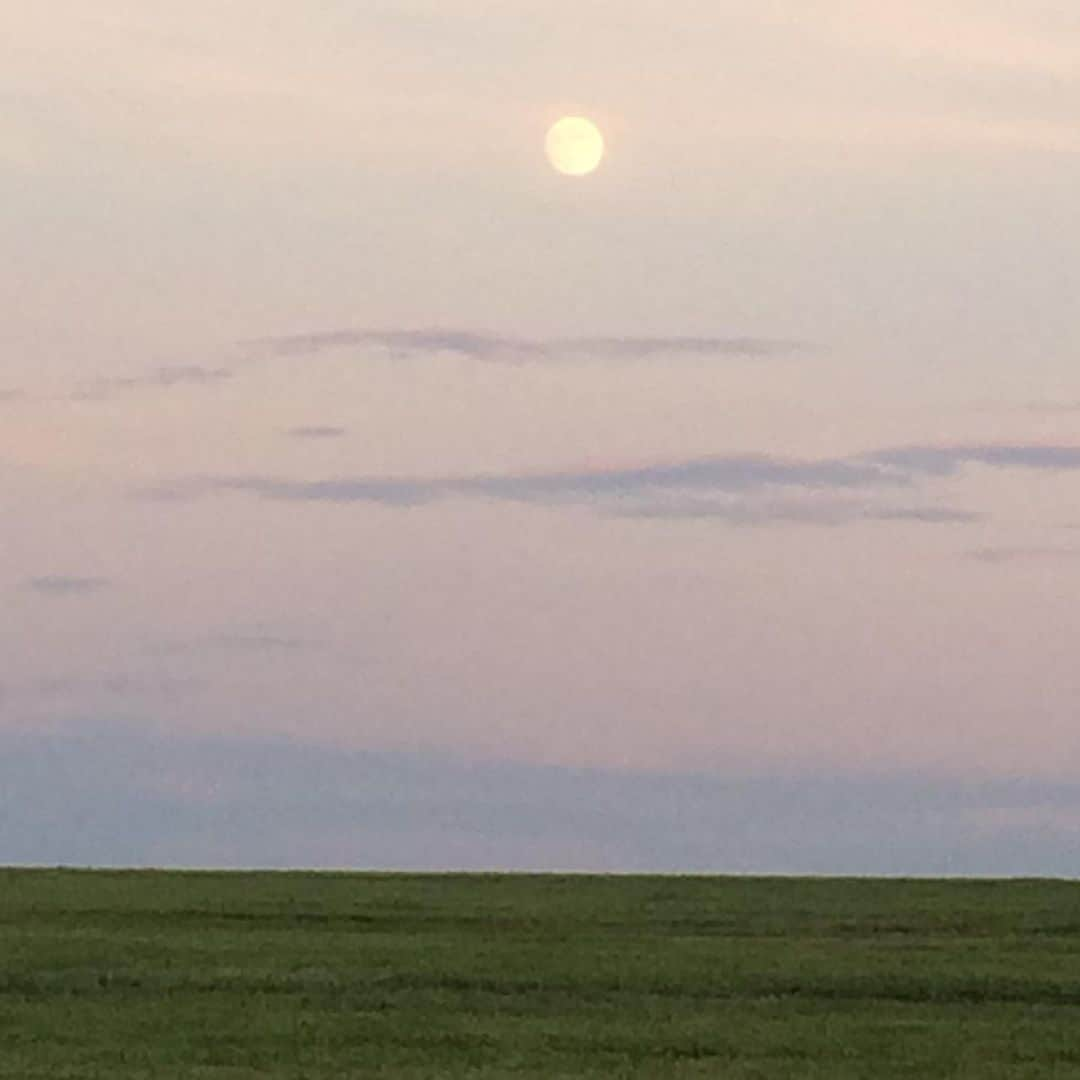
(328, 410)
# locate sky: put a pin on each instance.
(375, 495)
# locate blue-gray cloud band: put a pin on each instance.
(996, 555)
(316, 432)
(819, 509)
(165, 378)
(101, 795)
(64, 585)
(739, 474)
(739, 489)
(948, 460)
(483, 346)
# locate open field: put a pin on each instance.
(235, 976)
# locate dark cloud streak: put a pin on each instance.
(736, 474)
(316, 432)
(1000, 555)
(61, 585)
(213, 644)
(948, 460)
(821, 510)
(1053, 408)
(737, 489)
(161, 378)
(484, 346)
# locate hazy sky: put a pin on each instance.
(331, 415)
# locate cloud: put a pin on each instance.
(62, 585)
(732, 474)
(637, 348)
(929, 515)
(738, 489)
(160, 378)
(172, 491)
(388, 492)
(465, 342)
(1022, 554)
(812, 510)
(483, 346)
(10, 395)
(948, 460)
(232, 643)
(735, 473)
(316, 432)
(125, 685)
(1053, 408)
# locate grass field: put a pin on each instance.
(233, 976)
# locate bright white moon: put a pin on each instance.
(575, 146)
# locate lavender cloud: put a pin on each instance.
(63, 585)
(483, 346)
(316, 432)
(738, 489)
(237, 643)
(813, 510)
(948, 460)
(998, 555)
(159, 378)
(731, 474)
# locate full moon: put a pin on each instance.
(575, 146)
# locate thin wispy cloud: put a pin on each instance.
(995, 555)
(1053, 408)
(948, 460)
(212, 644)
(496, 347)
(731, 474)
(108, 685)
(928, 515)
(10, 395)
(638, 348)
(316, 432)
(162, 378)
(737, 490)
(65, 585)
(811, 509)
(465, 342)
(679, 489)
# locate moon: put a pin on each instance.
(574, 146)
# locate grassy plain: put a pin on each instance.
(121, 975)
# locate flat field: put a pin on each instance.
(294, 975)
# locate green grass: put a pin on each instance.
(235, 976)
